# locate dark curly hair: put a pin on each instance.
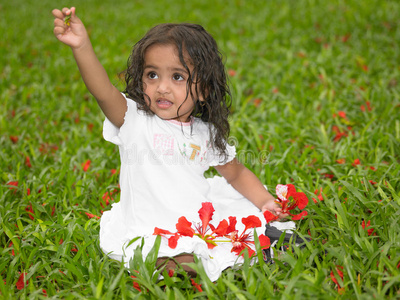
(208, 75)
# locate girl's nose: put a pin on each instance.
(163, 87)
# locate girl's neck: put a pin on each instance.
(190, 122)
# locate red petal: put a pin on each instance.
(334, 278)
(251, 222)
(205, 213)
(86, 165)
(158, 231)
(21, 281)
(28, 162)
(301, 200)
(264, 241)
(222, 228)
(232, 225)
(14, 139)
(290, 190)
(30, 211)
(173, 241)
(89, 215)
(356, 162)
(269, 216)
(299, 216)
(184, 227)
(363, 224)
(196, 285)
(13, 183)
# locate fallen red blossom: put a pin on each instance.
(90, 216)
(21, 283)
(195, 285)
(86, 165)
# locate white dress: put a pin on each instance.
(162, 179)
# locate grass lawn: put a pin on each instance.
(316, 103)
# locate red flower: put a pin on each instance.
(339, 270)
(231, 72)
(136, 285)
(356, 162)
(371, 230)
(30, 211)
(12, 251)
(196, 286)
(28, 162)
(86, 165)
(345, 38)
(319, 194)
(244, 240)
(14, 139)
(342, 114)
(341, 161)
(257, 102)
(13, 184)
(208, 232)
(328, 175)
(108, 196)
(288, 199)
(339, 133)
(90, 216)
(21, 283)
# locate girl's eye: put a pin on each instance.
(152, 75)
(178, 77)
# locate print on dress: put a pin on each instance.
(194, 153)
(163, 143)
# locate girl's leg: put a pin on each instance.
(171, 263)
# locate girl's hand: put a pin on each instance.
(274, 208)
(69, 29)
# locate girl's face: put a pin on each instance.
(164, 81)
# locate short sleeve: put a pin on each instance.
(111, 133)
(216, 159)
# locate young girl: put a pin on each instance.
(171, 125)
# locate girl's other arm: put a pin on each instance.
(246, 183)
(74, 34)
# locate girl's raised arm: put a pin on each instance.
(69, 29)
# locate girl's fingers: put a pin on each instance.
(58, 31)
(66, 11)
(57, 13)
(58, 22)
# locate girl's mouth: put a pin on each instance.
(163, 103)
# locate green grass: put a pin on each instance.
(297, 64)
